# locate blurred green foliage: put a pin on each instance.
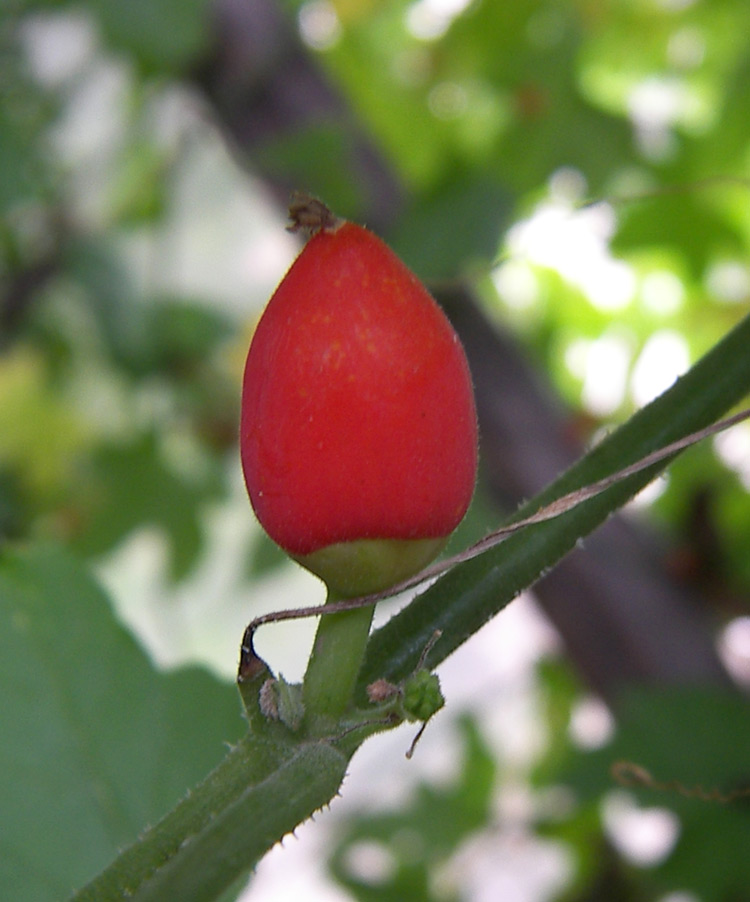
(711, 732)
(119, 380)
(102, 743)
(421, 838)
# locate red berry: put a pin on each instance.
(358, 430)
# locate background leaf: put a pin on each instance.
(455, 230)
(161, 37)
(701, 740)
(96, 742)
(133, 486)
(424, 834)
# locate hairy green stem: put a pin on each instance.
(335, 661)
(224, 826)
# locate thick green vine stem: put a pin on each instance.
(335, 662)
(272, 780)
(223, 827)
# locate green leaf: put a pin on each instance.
(163, 36)
(460, 602)
(96, 742)
(140, 192)
(26, 172)
(182, 333)
(169, 334)
(107, 285)
(700, 739)
(679, 222)
(424, 834)
(264, 557)
(319, 157)
(458, 226)
(136, 487)
(41, 438)
(18, 162)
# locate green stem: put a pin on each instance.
(268, 783)
(264, 787)
(335, 661)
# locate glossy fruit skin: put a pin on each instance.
(358, 420)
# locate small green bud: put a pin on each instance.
(422, 696)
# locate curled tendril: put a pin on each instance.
(632, 776)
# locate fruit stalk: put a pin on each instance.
(335, 661)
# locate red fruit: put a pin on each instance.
(358, 430)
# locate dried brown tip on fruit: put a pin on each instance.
(310, 215)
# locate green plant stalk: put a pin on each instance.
(230, 820)
(335, 661)
(466, 597)
(226, 824)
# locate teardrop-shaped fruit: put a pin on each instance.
(358, 431)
